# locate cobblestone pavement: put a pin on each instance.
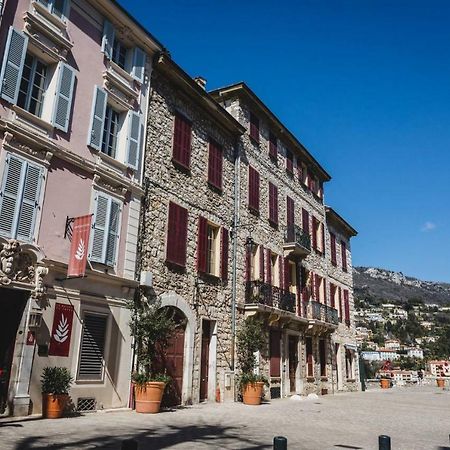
(414, 417)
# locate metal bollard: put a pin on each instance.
(279, 443)
(384, 442)
(129, 444)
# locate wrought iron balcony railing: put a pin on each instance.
(319, 311)
(266, 294)
(296, 237)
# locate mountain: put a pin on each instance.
(373, 285)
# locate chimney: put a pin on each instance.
(201, 82)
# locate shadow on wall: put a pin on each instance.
(215, 436)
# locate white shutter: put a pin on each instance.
(11, 74)
(134, 131)
(108, 39)
(99, 235)
(97, 118)
(139, 58)
(113, 233)
(30, 203)
(10, 195)
(63, 99)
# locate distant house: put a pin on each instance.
(440, 368)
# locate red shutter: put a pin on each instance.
(344, 256)
(324, 287)
(273, 147)
(298, 166)
(332, 295)
(254, 127)
(261, 263)
(273, 204)
(340, 304)
(333, 249)
(287, 274)
(275, 353)
(224, 255)
(289, 162)
(290, 212)
(309, 357)
(305, 221)
(177, 235)
(253, 189)
(215, 164)
(299, 288)
(202, 244)
(269, 266)
(322, 226)
(346, 307)
(248, 264)
(314, 233)
(280, 272)
(182, 141)
(317, 287)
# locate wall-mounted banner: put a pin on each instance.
(61, 331)
(79, 246)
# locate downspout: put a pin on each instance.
(235, 246)
(2, 4)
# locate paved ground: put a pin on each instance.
(414, 417)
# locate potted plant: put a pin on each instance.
(151, 327)
(385, 382)
(250, 339)
(55, 382)
(440, 380)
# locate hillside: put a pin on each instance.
(374, 285)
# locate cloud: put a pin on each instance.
(428, 226)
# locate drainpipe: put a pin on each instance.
(235, 246)
(2, 4)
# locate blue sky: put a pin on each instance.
(365, 85)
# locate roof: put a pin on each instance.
(334, 217)
(196, 93)
(241, 89)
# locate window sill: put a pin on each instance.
(351, 380)
(176, 267)
(215, 188)
(111, 162)
(310, 379)
(34, 122)
(41, 9)
(254, 140)
(323, 378)
(182, 167)
(254, 211)
(273, 224)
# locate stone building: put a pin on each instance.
(74, 98)
(185, 230)
(283, 257)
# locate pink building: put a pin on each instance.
(74, 95)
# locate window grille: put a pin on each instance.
(86, 404)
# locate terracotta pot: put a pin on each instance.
(440, 383)
(149, 396)
(53, 405)
(385, 384)
(252, 393)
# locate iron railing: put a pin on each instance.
(294, 234)
(319, 311)
(266, 294)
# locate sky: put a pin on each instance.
(364, 85)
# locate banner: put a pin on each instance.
(79, 247)
(61, 331)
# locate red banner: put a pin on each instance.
(61, 331)
(79, 247)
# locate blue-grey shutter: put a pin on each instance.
(30, 202)
(10, 194)
(138, 64)
(97, 118)
(100, 229)
(108, 39)
(14, 58)
(134, 131)
(113, 233)
(64, 94)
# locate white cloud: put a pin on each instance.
(428, 226)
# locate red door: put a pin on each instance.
(204, 363)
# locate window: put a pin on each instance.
(212, 249)
(349, 364)
(311, 181)
(273, 147)
(344, 256)
(305, 221)
(318, 236)
(253, 189)
(105, 238)
(26, 80)
(32, 85)
(290, 217)
(119, 53)
(275, 272)
(333, 292)
(56, 7)
(340, 305)
(254, 127)
(92, 349)
(19, 198)
(182, 141)
(333, 249)
(215, 163)
(273, 204)
(346, 307)
(309, 358)
(289, 162)
(177, 235)
(323, 358)
(110, 131)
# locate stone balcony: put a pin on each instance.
(320, 313)
(297, 243)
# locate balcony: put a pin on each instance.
(257, 292)
(297, 243)
(320, 312)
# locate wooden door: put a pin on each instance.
(204, 362)
(293, 362)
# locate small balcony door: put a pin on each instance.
(293, 362)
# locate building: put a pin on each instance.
(414, 353)
(392, 344)
(74, 98)
(284, 255)
(440, 368)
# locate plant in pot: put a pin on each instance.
(55, 382)
(385, 382)
(151, 327)
(250, 339)
(440, 380)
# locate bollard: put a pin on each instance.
(384, 442)
(279, 443)
(129, 444)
